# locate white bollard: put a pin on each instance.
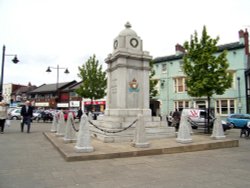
(54, 123)
(61, 125)
(83, 143)
(184, 135)
(218, 132)
(70, 133)
(190, 127)
(140, 140)
(90, 116)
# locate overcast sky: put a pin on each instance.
(67, 32)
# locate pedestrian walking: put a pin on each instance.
(3, 115)
(176, 119)
(26, 113)
(79, 113)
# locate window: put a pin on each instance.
(181, 65)
(180, 85)
(73, 94)
(164, 68)
(225, 106)
(180, 105)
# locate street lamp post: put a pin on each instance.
(57, 80)
(15, 60)
(239, 104)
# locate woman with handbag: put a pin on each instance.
(3, 115)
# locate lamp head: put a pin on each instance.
(66, 71)
(48, 70)
(15, 60)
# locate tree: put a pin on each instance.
(94, 82)
(207, 73)
(152, 83)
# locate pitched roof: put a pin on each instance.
(73, 86)
(24, 89)
(51, 87)
(230, 46)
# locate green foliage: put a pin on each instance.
(206, 73)
(152, 83)
(94, 80)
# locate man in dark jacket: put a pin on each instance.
(79, 113)
(176, 119)
(26, 113)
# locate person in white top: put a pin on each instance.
(3, 115)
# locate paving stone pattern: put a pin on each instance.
(30, 161)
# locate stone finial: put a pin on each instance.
(128, 25)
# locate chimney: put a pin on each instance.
(179, 49)
(246, 40)
(241, 34)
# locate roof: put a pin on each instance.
(127, 31)
(51, 87)
(24, 89)
(230, 46)
(168, 58)
(73, 86)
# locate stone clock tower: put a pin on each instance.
(128, 92)
(128, 76)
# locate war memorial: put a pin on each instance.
(127, 128)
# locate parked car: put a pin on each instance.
(36, 114)
(199, 117)
(45, 116)
(10, 109)
(238, 120)
(15, 114)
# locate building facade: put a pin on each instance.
(172, 88)
(48, 96)
(14, 94)
(51, 95)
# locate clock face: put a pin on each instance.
(134, 42)
(115, 44)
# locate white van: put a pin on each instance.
(199, 118)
